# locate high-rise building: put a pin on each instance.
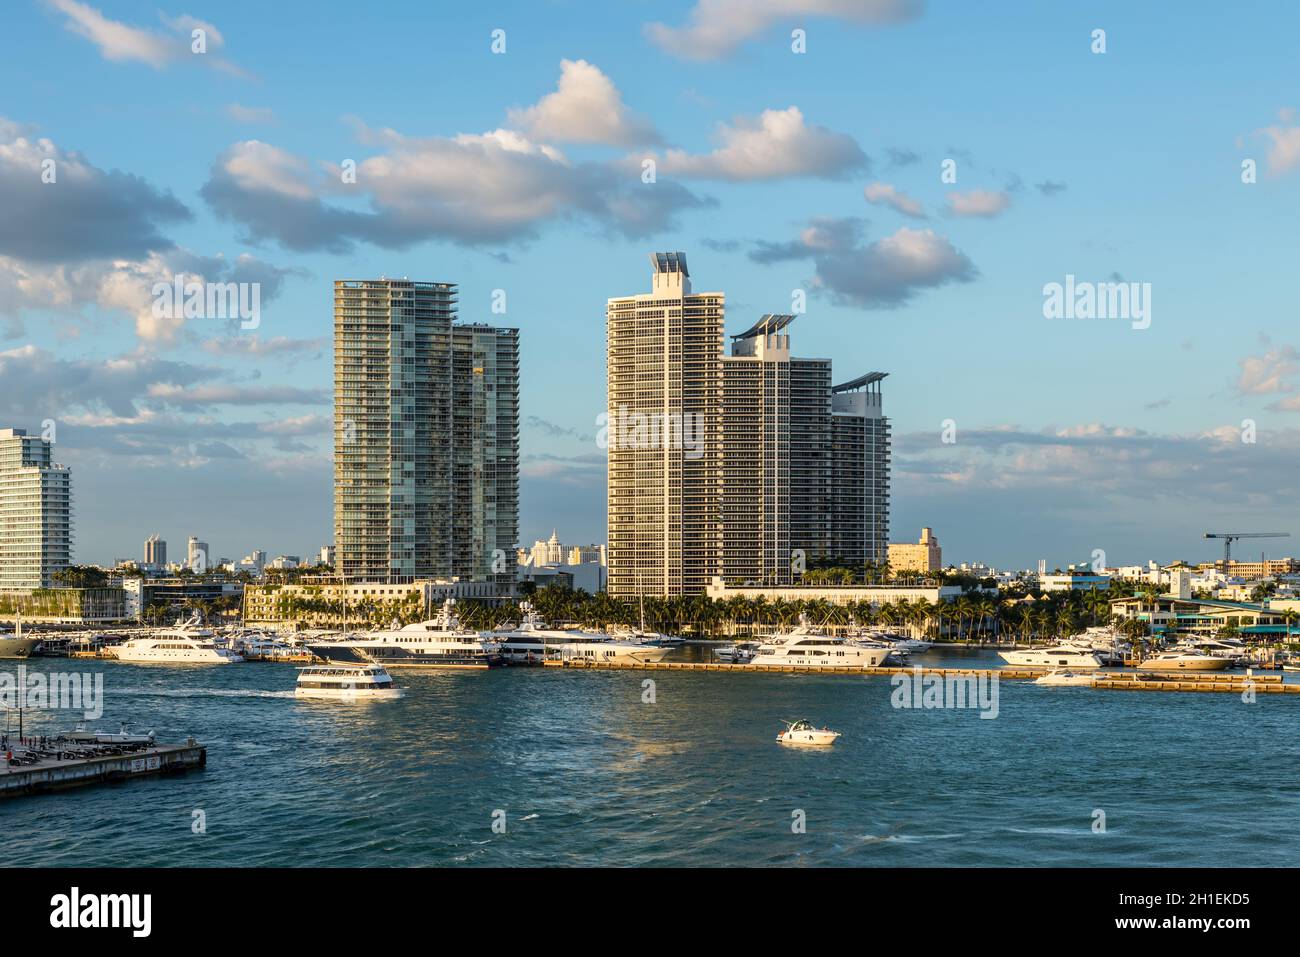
(35, 512)
(426, 436)
(155, 551)
(738, 465)
(663, 370)
(197, 555)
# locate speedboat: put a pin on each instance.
(739, 653)
(361, 683)
(1061, 656)
(186, 644)
(802, 733)
(437, 643)
(82, 736)
(806, 646)
(1063, 678)
(1180, 660)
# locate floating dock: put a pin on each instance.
(52, 774)
(1121, 680)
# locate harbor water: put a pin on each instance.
(596, 768)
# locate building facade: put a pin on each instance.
(924, 556)
(155, 551)
(426, 436)
(745, 466)
(35, 512)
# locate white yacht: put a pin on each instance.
(1064, 678)
(531, 642)
(737, 653)
(1061, 656)
(359, 683)
(1109, 644)
(186, 644)
(804, 645)
(440, 642)
(803, 733)
(1184, 660)
(604, 649)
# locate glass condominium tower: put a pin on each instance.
(35, 512)
(426, 436)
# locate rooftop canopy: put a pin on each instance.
(766, 326)
(861, 381)
(669, 262)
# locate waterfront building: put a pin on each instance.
(77, 606)
(177, 596)
(731, 465)
(925, 556)
(1172, 616)
(318, 602)
(35, 512)
(426, 436)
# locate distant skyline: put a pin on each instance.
(521, 173)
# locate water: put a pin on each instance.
(588, 774)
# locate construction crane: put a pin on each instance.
(1230, 537)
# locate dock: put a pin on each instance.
(54, 774)
(1111, 680)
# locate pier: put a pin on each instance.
(1111, 680)
(55, 774)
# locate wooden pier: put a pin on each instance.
(54, 775)
(1120, 680)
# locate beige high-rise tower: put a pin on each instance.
(664, 371)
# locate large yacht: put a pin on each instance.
(805, 645)
(16, 646)
(1182, 659)
(348, 683)
(532, 642)
(1061, 656)
(186, 644)
(440, 642)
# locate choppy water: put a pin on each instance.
(587, 773)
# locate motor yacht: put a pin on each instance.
(1064, 678)
(121, 736)
(1184, 660)
(440, 642)
(806, 646)
(186, 644)
(16, 646)
(738, 653)
(802, 733)
(346, 683)
(1060, 656)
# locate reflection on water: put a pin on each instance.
(586, 773)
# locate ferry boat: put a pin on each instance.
(186, 644)
(811, 648)
(359, 683)
(1061, 656)
(440, 642)
(804, 734)
(1184, 660)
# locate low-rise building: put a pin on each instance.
(319, 603)
(925, 556)
(1171, 616)
(83, 606)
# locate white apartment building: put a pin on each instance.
(35, 512)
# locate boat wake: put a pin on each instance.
(205, 693)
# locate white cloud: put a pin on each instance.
(886, 194)
(714, 28)
(1270, 373)
(774, 145)
(1284, 154)
(585, 108)
(122, 43)
(978, 202)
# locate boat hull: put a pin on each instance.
(1175, 664)
(391, 656)
(18, 647)
(808, 739)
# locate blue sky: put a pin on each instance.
(521, 171)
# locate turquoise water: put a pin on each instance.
(587, 773)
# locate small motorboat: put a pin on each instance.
(804, 734)
(84, 736)
(1063, 678)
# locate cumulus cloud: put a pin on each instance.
(774, 145)
(978, 202)
(1271, 374)
(585, 108)
(715, 28)
(122, 43)
(85, 213)
(473, 189)
(884, 274)
(886, 194)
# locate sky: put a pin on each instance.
(921, 171)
